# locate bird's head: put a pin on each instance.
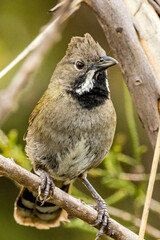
(82, 71)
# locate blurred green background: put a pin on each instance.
(20, 22)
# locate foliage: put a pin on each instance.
(11, 149)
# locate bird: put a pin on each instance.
(71, 130)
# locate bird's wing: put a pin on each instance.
(31, 118)
(34, 114)
(43, 102)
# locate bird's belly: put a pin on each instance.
(84, 155)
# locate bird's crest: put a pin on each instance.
(84, 44)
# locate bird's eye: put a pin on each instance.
(79, 65)
(101, 59)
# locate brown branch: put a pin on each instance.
(148, 21)
(121, 214)
(72, 205)
(41, 45)
(117, 23)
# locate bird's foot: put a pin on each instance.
(103, 218)
(46, 187)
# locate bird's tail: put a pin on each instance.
(28, 210)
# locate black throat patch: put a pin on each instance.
(96, 96)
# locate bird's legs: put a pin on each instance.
(46, 187)
(101, 207)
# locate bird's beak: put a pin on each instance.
(104, 63)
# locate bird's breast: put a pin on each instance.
(85, 142)
(73, 139)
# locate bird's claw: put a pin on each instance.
(46, 187)
(103, 218)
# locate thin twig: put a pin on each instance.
(150, 188)
(72, 205)
(137, 177)
(121, 214)
(41, 45)
(43, 35)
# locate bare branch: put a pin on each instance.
(138, 73)
(47, 32)
(149, 193)
(148, 22)
(137, 177)
(41, 45)
(121, 214)
(72, 205)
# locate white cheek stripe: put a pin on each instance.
(107, 85)
(88, 84)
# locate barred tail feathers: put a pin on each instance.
(29, 212)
